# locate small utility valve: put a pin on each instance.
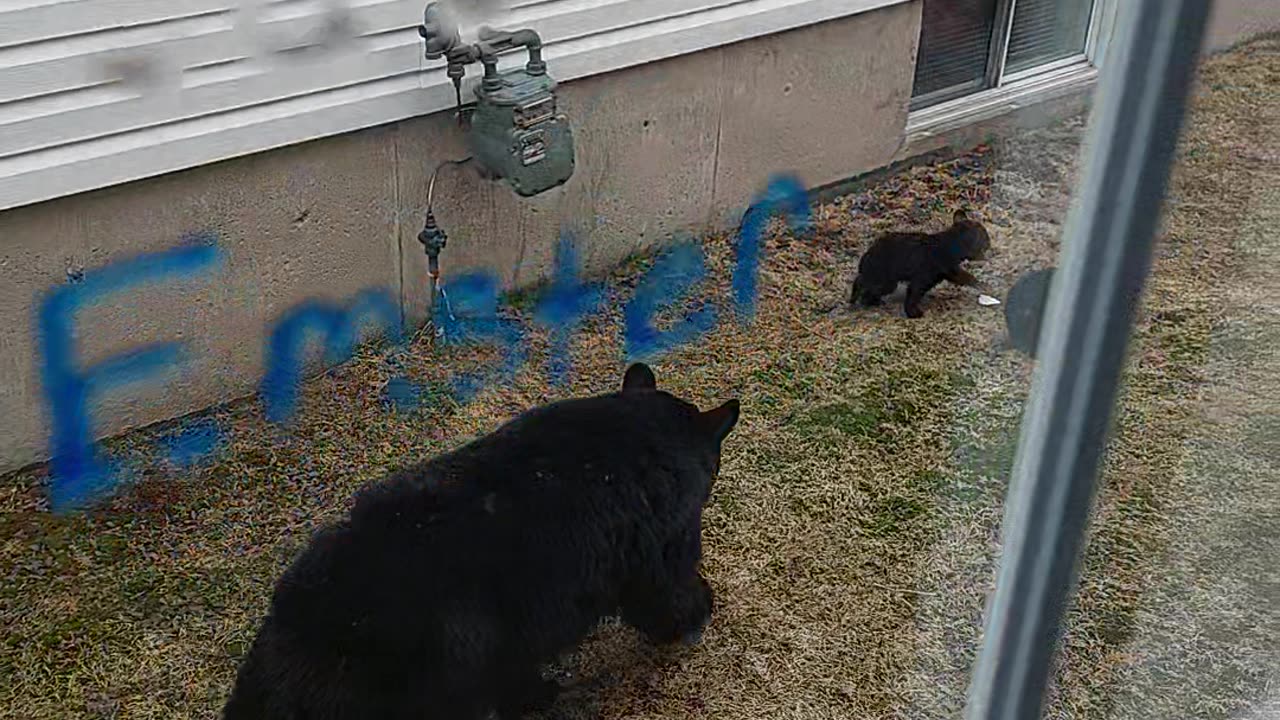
(517, 132)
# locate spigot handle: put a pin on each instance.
(440, 35)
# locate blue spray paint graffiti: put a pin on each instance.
(403, 395)
(783, 194)
(468, 314)
(338, 329)
(191, 445)
(79, 474)
(563, 307)
(670, 280)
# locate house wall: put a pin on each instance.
(676, 145)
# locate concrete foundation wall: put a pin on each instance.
(679, 145)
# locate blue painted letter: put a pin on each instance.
(337, 327)
(563, 306)
(79, 476)
(784, 193)
(667, 283)
(193, 443)
(469, 313)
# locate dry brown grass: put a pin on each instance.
(855, 526)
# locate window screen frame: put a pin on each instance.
(1089, 317)
(995, 76)
(996, 49)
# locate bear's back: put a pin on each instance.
(521, 534)
(559, 454)
(895, 256)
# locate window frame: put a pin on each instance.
(938, 106)
(1105, 260)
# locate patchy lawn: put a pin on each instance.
(855, 528)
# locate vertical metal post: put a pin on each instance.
(1085, 335)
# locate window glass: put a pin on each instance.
(1178, 606)
(1046, 30)
(853, 530)
(955, 40)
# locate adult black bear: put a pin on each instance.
(454, 581)
(922, 260)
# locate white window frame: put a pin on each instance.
(1009, 92)
(666, 28)
(1087, 323)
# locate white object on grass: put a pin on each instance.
(987, 300)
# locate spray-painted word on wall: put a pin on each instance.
(80, 475)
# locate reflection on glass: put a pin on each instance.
(1046, 30)
(853, 532)
(1178, 611)
(955, 37)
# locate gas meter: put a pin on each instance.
(517, 133)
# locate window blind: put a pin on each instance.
(1046, 30)
(955, 40)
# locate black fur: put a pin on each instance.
(922, 260)
(453, 581)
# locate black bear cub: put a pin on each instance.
(922, 260)
(452, 582)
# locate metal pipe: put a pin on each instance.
(533, 43)
(496, 41)
(433, 237)
(526, 38)
(1105, 258)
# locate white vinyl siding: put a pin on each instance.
(74, 116)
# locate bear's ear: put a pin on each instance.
(717, 423)
(960, 215)
(639, 377)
